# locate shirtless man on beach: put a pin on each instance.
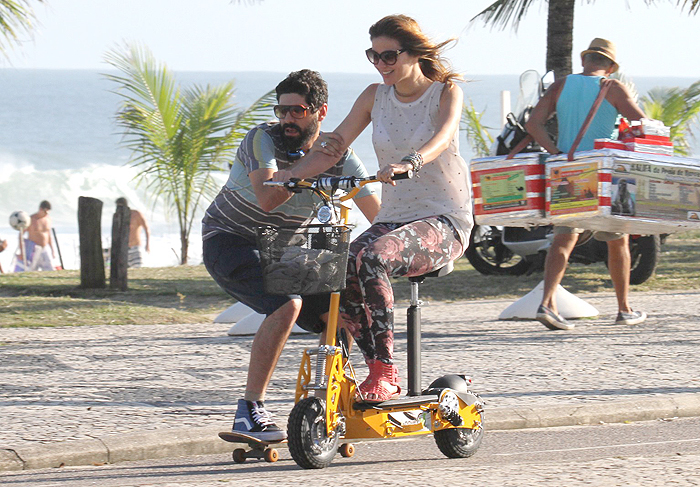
(38, 238)
(136, 224)
(3, 246)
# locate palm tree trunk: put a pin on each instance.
(184, 244)
(560, 37)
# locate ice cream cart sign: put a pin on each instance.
(505, 189)
(654, 190)
(573, 188)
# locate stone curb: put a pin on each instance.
(200, 441)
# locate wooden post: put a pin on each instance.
(120, 248)
(92, 264)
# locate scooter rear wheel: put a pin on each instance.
(308, 441)
(459, 442)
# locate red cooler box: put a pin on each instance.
(622, 191)
(509, 192)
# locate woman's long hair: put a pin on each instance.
(409, 34)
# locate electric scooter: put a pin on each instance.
(328, 412)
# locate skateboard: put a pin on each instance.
(258, 448)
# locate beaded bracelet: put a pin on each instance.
(415, 159)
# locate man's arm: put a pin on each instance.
(621, 98)
(269, 197)
(49, 226)
(147, 231)
(544, 109)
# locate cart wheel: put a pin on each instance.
(239, 455)
(309, 444)
(271, 455)
(347, 450)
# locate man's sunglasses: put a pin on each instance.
(297, 111)
(389, 57)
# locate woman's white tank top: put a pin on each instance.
(442, 186)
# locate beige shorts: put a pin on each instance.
(597, 234)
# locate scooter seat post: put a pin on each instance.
(413, 338)
(413, 330)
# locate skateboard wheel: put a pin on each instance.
(347, 450)
(271, 455)
(239, 455)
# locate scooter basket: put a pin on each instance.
(304, 260)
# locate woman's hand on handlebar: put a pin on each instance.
(329, 143)
(386, 174)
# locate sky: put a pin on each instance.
(331, 35)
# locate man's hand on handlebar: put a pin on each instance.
(282, 176)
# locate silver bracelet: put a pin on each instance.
(415, 159)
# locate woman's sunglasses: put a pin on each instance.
(297, 111)
(389, 57)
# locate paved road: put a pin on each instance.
(651, 453)
(118, 383)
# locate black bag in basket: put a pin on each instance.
(306, 260)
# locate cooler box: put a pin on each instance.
(621, 191)
(509, 192)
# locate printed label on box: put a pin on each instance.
(574, 188)
(624, 191)
(661, 191)
(503, 190)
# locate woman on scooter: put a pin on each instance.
(424, 222)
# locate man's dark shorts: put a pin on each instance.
(234, 263)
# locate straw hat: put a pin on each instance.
(603, 47)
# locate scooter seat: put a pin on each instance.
(442, 271)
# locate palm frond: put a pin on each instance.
(504, 12)
(693, 5)
(478, 135)
(178, 138)
(258, 112)
(678, 109)
(16, 19)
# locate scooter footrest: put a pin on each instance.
(408, 401)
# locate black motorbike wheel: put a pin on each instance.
(459, 442)
(645, 252)
(309, 444)
(488, 255)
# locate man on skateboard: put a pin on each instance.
(244, 203)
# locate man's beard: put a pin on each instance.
(298, 141)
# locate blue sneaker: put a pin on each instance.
(254, 420)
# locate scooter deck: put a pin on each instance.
(407, 401)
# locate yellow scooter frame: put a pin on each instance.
(318, 422)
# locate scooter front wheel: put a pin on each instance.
(459, 442)
(309, 444)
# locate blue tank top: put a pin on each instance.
(575, 101)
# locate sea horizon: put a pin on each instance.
(59, 141)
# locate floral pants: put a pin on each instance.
(387, 250)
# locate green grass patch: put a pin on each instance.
(183, 294)
(187, 294)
